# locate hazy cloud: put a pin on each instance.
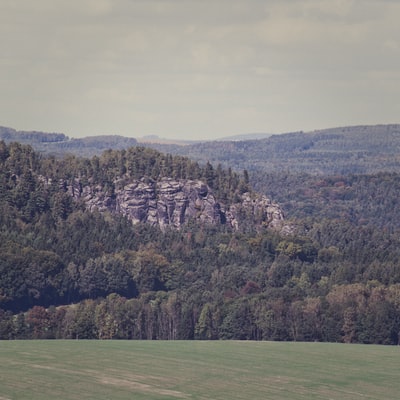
(197, 68)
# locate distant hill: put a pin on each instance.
(345, 150)
(246, 136)
(154, 139)
(58, 143)
(30, 137)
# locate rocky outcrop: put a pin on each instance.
(171, 202)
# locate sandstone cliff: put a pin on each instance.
(170, 202)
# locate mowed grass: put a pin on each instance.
(137, 370)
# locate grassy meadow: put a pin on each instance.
(231, 370)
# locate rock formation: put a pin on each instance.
(170, 202)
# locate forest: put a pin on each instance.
(66, 272)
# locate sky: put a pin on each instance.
(198, 69)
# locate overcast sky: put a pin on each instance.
(197, 69)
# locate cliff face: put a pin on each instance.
(170, 202)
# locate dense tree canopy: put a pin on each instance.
(69, 273)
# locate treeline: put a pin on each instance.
(69, 273)
(349, 313)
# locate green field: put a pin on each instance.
(196, 370)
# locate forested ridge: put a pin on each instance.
(364, 149)
(346, 150)
(69, 273)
